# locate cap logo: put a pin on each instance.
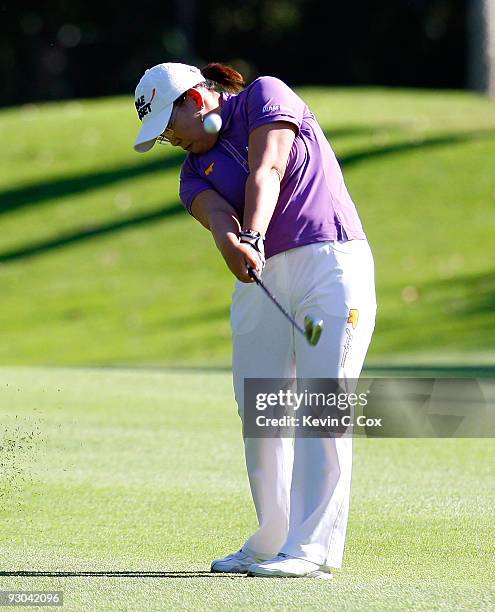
(143, 107)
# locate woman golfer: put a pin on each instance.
(268, 185)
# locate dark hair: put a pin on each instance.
(222, 78)
(219, 77)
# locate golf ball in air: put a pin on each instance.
(212, 123)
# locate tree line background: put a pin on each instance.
(72, 49)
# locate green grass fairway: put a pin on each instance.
(141, 471)
(99, 263)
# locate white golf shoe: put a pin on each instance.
(237, 563)
(283, 566)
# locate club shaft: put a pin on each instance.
(259, 282)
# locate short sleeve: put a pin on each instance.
(190, 184)
(270, 99)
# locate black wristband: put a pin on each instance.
(253, 238)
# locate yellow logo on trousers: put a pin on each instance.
(209, 170)
(353, 317)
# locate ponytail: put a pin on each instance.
(223, 78)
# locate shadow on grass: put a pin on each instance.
(41, 191)
(347, 131)
(87, 234)
(411, 145)
(435, 371)
(56, 188)
(466, 294)
(458, 295)
(448, 314)
(121, 574)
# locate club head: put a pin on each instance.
(313, 328)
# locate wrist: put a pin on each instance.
(254, 239)
(227, 240)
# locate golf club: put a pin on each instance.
(312, 327)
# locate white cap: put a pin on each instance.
(156, 92)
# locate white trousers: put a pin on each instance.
(301, 487)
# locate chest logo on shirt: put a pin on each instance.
(209, 170)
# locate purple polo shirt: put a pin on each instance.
(314, 204)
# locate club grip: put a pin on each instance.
(252, 274)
